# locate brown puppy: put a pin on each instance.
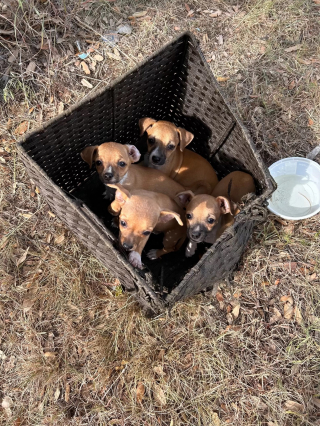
(166, 152)
(144, 212)
(113, 162)
(208, 216)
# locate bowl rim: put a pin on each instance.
(282, 160)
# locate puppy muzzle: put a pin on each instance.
(197, 234)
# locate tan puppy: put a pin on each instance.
(144, 212)
(208, 216)
(113, 162)
(166, 152)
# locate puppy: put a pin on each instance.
(144, 212)
(113, 162)
(166, 152)
(208, 216)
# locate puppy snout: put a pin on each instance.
(155, 159)
(108, 176)
(127, 246)
(195, 235)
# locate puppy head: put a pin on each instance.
(138, 217)
(112, 160)
(203, 213)
(163, 139)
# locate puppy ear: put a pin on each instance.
(145, 123)
(88, 153)
(184, 197)
(122, 194)
(134, 153)
(224, 205)
(166, 215)
(185, 138)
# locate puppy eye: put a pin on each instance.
(123, 223)
(98, 163)
(189, 216)
(122, 164)
(151, 141)
(211, 220)
(146, 233)
(171, 147)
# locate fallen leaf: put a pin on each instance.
(312, 277)
(277, 282)
(316, 401)
(191, 12)
(139, 14)
(237, 295)
(293, 406)
(85, 67)
(27, 304)
(113, 56)
(98, 58)
(6, 402)
(159, 395)
(293, 48)
(215, 14)
(177, 28)
(187, 7)
(290, 265)
(60, 107)
(229, 318)
(286, 298)
(304, 61)
(50, 355)
(49, 212)
(310, 122)
(22, 128)
(159, 370)
(297, 316)
(215, 419)
(288, 309)
(219, 296)
(276, 316)
(140, 392)
(222, 79)
(220, 39)
(86, 83)
(235, 311)
(292, 85)
(59, 240)
(31, 67)
(67, 393)
(57, 394)
(316, 1)
(23, 257)
(262, 49)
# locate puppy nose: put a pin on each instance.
(156, 159)
(127, 246)
(196, 235)
(108, 176)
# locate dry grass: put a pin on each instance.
(73, 350)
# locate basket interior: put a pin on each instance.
(175, 85)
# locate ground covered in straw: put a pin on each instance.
(75, 350)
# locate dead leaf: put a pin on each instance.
(262, 49)
(235, 311)
(159, 395)
(277, 282)
(22, 128)
(297, 316)
(57, 394)
(276, 316)
(222, 79)
(229, 318)
(85, 67)
(59, 240)
(310, 122)
(316, 1)
(312, 277)
(177, 28)
(49, 354)
(191, 12)
(27, 304)
(293, 406)
(31, 67)
(293, 48)
(316, 401)
(139, 14)
(219, 296)
(187, 7)
(215, 14)
(220, 39)
(286, 298)
(23, 257)
(159, 370)
(67, 393)
(113, 56)
(288, 309)
(86, 83)
(215, 419)
(140, 392)
(98, 58)
(304, 61)
(292, 85)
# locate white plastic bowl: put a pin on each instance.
(298, 193)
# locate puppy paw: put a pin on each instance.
(135, 259)
(152, 254)
(191, 248)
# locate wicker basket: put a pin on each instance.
(174, 84)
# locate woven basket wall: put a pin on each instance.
(174, 84)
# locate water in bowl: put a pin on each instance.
(295, 196)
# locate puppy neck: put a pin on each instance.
(124, 177)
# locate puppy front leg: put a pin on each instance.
(173, 240)
(135, 256)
